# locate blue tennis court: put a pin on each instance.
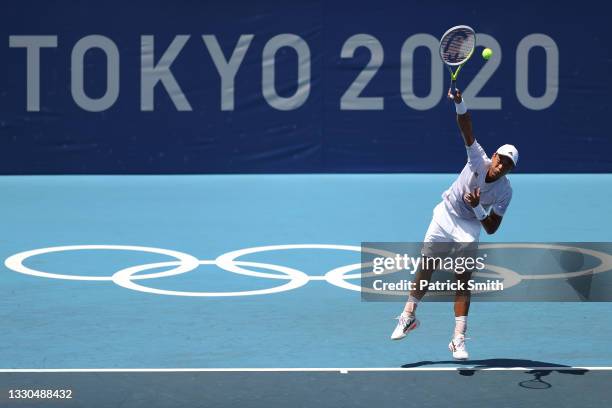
(62, 323)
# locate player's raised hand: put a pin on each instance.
(456, 97)
(472, 199)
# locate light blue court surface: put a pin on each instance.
(59, 323)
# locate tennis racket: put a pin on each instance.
(456, 47)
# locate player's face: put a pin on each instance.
(500, 166)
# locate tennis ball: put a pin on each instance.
(486, 53)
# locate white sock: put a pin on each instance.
(411, 305)
(460, 326)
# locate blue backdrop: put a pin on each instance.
(302, 86)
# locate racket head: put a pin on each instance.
(457, 45)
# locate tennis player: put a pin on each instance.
(478, 197)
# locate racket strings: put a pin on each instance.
(457, 45)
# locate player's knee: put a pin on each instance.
(463, 293)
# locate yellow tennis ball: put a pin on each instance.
(486, 53)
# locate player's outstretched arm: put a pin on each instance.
(492, 221)
(463, 120)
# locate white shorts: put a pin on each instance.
(446, 227)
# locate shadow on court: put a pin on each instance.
(469, 387)
(539, 369)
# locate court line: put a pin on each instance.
(341, 370)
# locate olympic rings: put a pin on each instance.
(124, 278)
(15, 262)
(338, 276)
(227, 260)
(605, 265)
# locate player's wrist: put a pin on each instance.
(460, 107)
(479, 212)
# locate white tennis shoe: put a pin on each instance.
(405, 324)
(457, 346)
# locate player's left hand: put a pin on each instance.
(472, 199)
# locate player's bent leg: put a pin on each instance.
(462, 306)
(463, 297)
(422, 275)
(407, 320)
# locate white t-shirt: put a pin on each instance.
(495, 195)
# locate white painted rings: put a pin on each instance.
(296, 278)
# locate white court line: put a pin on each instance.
(341, 370)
